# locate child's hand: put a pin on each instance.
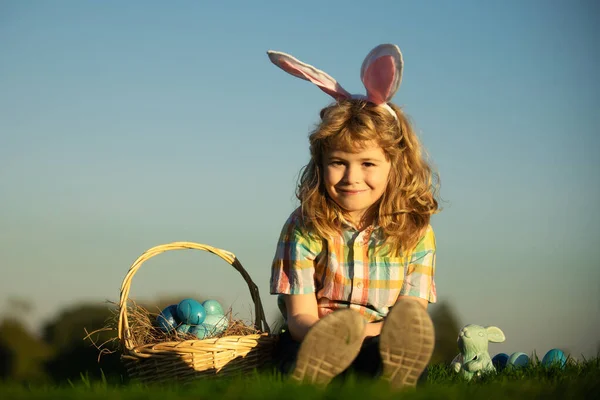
(372, 329)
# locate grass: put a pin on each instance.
(577, 381)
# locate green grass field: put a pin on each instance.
(578, 381)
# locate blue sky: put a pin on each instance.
(125, 125)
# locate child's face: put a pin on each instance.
(356, 181)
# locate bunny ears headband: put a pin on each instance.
(381, 73)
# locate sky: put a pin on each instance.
(127, 125)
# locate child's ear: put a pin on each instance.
(309, 73)
(381, 73)
(495, 334)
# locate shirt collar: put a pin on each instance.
(350, 226)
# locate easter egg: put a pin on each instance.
(518, 359)
(167, 320)
(183, 329)
(199, 331)
(216, 323)
(554, 357)
(212, 307)
(500, 361)
(191, 312)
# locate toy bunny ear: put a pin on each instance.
(495, 334)
(309, 73)
(381, 73)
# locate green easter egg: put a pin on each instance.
(216, 324)
(183, 329)
(200, 331)
(213, 307)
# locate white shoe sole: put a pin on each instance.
(329, 347)
(406, 343)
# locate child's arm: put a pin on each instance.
(302, 313)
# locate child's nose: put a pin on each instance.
(352, 174)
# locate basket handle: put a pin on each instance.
(123, 327)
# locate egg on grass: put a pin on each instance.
(554, 357)
(518, 359)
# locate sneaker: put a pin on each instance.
(406, 343)
(329, 347)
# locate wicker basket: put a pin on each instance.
(192, 359)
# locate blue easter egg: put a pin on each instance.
(554, 357)
(191, 312)
(518, 359)
(199, 331)
(500, 361)
(167, 320)
(212, 307)
(216, 324)
(183, 329)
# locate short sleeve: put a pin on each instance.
(420, 270)
(293, 267)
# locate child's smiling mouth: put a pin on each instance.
(351, 192)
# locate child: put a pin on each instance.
(354, 265)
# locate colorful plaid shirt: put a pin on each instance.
(352, 269)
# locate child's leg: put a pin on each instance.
(368, 361)
(329, 347)
(286, 353)
(406, 343)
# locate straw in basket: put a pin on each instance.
(191, 359)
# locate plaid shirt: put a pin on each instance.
(352, 269)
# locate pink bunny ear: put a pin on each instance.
(309, 73)
(381, 73)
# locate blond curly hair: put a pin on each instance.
(405, 209)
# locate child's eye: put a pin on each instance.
(336, 163)
(368, 164)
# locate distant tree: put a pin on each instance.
(24, 354)
(76, 334)
(72, 362)
(446, 333)
(69, 328)
(7, 359)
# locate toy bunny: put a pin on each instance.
(474, 359)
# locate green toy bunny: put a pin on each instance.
(474, 359)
